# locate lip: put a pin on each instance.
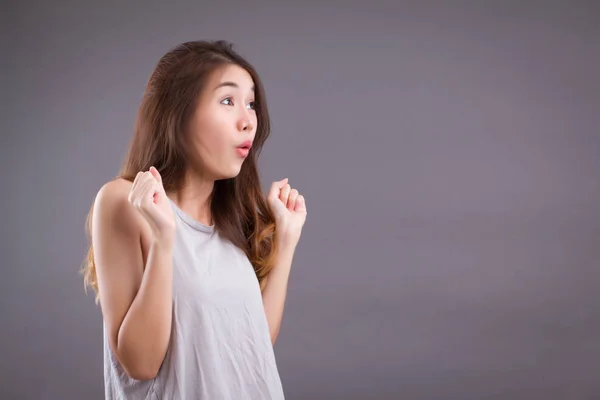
(243, 151)
(244, 148)
(246, 145)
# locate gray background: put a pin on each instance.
(448, 151)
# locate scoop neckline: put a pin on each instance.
(191, 221)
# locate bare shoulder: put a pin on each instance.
(115, 190)
(112, 204)
(115, 216)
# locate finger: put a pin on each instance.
(142, 180)
(300, 204)
(156, 175)
(276, 188)
(146, 192)
(284, 194)
(292, 199)
(136, 181)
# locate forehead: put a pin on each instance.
(231, 74)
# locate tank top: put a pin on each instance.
(220, 347)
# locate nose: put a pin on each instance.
(245, 124)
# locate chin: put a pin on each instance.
(231, 173)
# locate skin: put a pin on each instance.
(133, 227)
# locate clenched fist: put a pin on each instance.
(289, 208)
(148, 196)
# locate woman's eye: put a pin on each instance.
(229, 102)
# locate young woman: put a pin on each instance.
(189, 260)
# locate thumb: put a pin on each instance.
(276, 188)
(156, 175)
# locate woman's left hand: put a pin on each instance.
(289, 208)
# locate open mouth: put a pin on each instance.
(246, 145)
(244, 149)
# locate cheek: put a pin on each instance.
(210, 146)
(205, 132)
(212, 142)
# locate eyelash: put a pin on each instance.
(253, 103)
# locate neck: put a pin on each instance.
(194, 197)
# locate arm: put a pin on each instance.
(289, 209)
(275, 290)
(136, 299)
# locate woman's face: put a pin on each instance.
(224, 123)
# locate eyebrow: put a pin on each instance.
(230, 84)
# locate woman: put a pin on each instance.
(189, 260)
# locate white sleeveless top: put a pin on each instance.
(220, 345)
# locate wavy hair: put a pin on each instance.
(238, 206)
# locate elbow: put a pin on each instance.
(137, 368)
(141, 374)
(140, 371)
(141, 361)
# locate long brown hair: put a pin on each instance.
(238, 206)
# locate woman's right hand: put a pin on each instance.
(148, 196)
